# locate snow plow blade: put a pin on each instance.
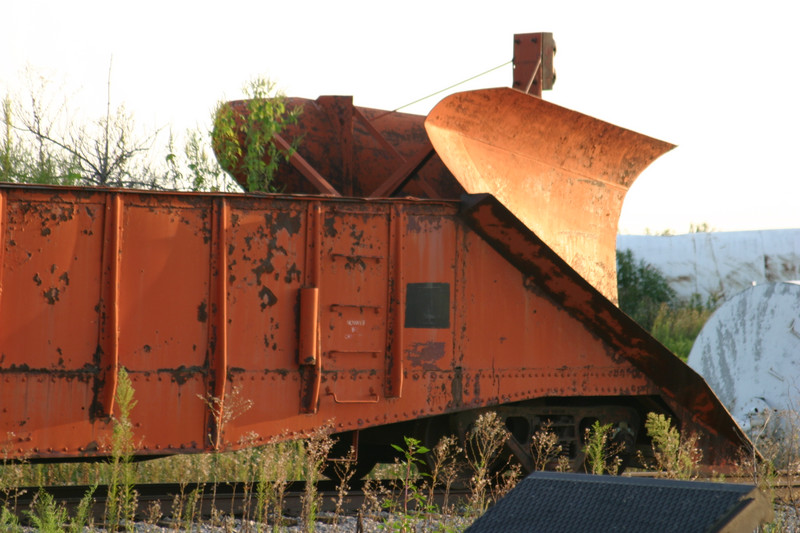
(562, 173)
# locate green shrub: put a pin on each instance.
(677, 327)
(642, 288)
(646, 297)
(245, 142)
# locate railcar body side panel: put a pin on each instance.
(198, 297)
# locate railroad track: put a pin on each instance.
(238, 499)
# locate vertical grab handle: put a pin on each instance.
(308, 345)
(308, 350)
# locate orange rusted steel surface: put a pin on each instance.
(681, 387)
(564, 174)
(533, 62)
(315, 309)
(356, 151)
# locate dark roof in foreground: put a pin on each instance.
(551, 502)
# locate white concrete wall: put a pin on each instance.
(719, 263)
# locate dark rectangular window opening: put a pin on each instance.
(428, 305)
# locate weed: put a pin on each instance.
(415, 506)
(45, 515)
(344, 472)
(677, 456)
(284, 467)
(190, 508)
(507, 480)
(153, 513)
(49, 517)
(483, 445)
(444, 468)
(563, 464)
(12, 475)
(225, 410)
(600, 456)
(776, 437)
(82, 512)
(544, 446)
(9, 521)
(121, 495)
(412, 456)
(273, 465)
(374, 495)
(317, 447)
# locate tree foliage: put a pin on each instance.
(645, 295)
(195, 167)
(642, 289)
(25, 158)
(245, 141)
(41, 143)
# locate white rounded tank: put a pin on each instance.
(749, 352)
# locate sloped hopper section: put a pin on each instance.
(550, 501)
(562, 173)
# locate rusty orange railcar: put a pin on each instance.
(381, 314)
(359, 312)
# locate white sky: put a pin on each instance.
(719, 79)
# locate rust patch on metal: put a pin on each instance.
(264, 267)
(287, 220)
(51, 295)
(329, 226)
(183, 373)
(268, 298)
(425, 354)
(292, 273)
(420, 223)
(355, 262)
(96, 406)
(82, 373)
